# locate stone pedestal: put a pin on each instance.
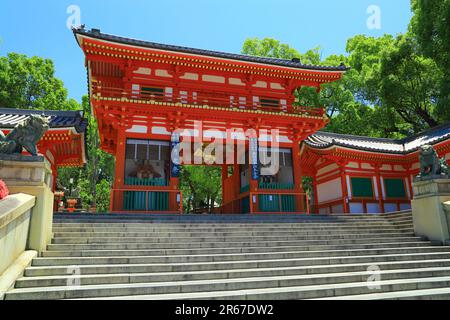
(429, 216)
(32, 175)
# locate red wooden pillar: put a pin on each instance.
(119, 180)
(316, 196)
(298, 178)
(344, 190)
(236, 207)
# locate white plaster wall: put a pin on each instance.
(162, 73)
(327, 169)
(276, 86)
(160, 130)
(190, 76)
(137, 129)
(142, 70)
(366, 166)
(236, 81)
(210, 78)
(352, 165)
(260, 84)
(330, 190)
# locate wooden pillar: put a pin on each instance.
(236, 187)
(298, 178)
(380, 190)
(119, 177)
(344, 190)
(225, 193)
(315, 191)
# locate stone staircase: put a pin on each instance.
(236, 257)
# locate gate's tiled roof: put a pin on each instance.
(96, 34)
(9, 118)
(325, 140)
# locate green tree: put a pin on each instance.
(409, 84)
(95, 178)
(431, 27)
(201, 187)
(30, 83)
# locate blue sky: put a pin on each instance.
(39, 27)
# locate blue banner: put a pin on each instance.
(253, 142)
(175, 167)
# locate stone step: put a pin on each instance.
(216, 234)
(88, 252)
(357, 223)
(53, 261)
(123, 266)
(58, 271)
(284, 287)
(392, 271)
(301, 292)
(201, 238)
(424, 294)
(242, 247)
(222, 229)
(228, 244)
(211, 217)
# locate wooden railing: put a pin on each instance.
(146, 201)
(201, 97)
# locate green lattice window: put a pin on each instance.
(395, 188)
(362, 187)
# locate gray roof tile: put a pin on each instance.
(95, 33)
(324, 140)
(9, 118)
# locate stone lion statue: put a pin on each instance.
(430, 164)
(25, 135)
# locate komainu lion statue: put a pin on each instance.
(25, 135)
(430, 164)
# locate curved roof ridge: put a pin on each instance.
(9, 118)
(393, 146)
(95, 33)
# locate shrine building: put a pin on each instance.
(356, 175)
(149, 99)
(142, 92)
(63, 145)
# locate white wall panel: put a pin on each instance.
(331, 190)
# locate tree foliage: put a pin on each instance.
(430, 25)
(30, 83)
(392, 89)
(201, 187)
(95, 178)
